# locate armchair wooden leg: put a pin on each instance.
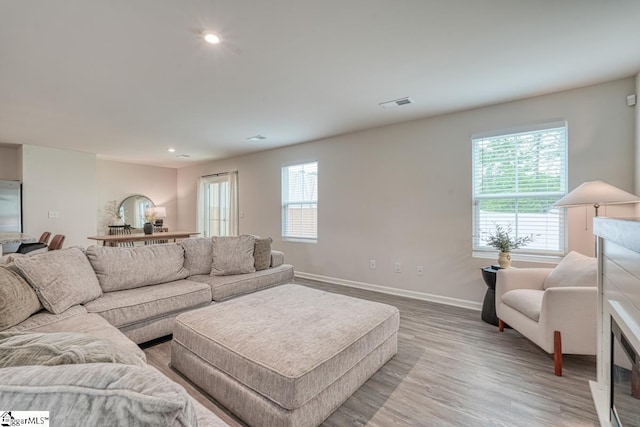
(500, 325)
(557, 353)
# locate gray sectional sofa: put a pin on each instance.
(122, 296)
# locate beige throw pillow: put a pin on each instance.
(574, 270)
(262, 253)
(61, 278)
(232, 255)
(18, 300)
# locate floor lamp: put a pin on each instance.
(596, 193)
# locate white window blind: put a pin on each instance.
(300, 202)
(516, 178)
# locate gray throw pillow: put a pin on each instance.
(98, 394)
(197, 255)
(60, 348)
(61, 278)
(232, 255)
(18, 300)
(262, 253)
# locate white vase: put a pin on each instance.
(504, 259)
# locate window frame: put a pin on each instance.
(285, 232)
(526, 253)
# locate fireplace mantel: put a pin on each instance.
(618, 242)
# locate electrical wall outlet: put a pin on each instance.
(53, 214)
(420, 270)
(372, 264)
(396, 267)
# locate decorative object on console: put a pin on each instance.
(113, 212)
(149, 220)
(503, 241)
(160, 213)
(132, 210)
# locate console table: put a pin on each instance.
(117, 239)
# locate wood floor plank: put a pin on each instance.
(451, 369)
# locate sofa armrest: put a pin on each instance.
(509, 279)
(277, 258)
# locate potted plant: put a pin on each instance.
(502, 240)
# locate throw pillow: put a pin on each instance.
(197, 255)
(60, 348)
(574, 270)
(128, 268)
(61, 278)
(18, 300)
(232, 255)
(262, 253)
(98, 394)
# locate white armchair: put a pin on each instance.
(554, 308)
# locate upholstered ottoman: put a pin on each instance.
(285, 356)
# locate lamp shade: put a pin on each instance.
(160, 211)
(596, 193)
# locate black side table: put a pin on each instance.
(489, 305)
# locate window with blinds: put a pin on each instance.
(516, 178)
(300, 202)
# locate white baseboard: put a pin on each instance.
(472, 305)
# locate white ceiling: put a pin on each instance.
(126, 79)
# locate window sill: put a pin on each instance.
(296, 240)
(545, 259)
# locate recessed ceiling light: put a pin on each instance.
(171, 150)
(211, 38)
(256, 138)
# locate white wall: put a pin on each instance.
(637, 111)
(403, 192)
(62, 181)
(117, 180)
(9, 169)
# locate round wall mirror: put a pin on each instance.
(132, 210)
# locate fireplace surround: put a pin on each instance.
(616, 393)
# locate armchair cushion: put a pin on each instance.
(525, 301)
(574, 270)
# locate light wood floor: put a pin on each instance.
(451, 369)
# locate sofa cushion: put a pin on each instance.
(60, 348)
(76, 319)
(61, 278)
(525, 301)
(575, 269)
(224, 287)
(18, 300)
(123, 308)
(262, 253)
(98, 394)
(120, 268)
(232, 255)
(198, 254)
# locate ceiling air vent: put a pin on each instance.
(396, 103)
(256, 138)
(183, 156)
